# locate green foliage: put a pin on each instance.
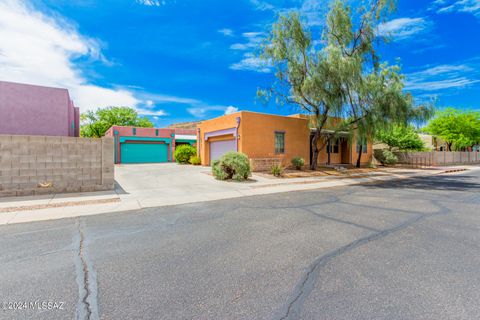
(184, 152)
(459, 129)
(232, 165)
(195, 160)
(95, 124)
(298, 163)
(386, 157)
(276, 170)
(401, 138)
(340, 74)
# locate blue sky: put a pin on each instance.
(183, 60)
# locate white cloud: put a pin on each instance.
(252, 40)
(39, 49)
(202, 111)
(403, 28)
(251, 63)
(226, 32)
(262, 5)
(239, 46)
(313, 10)
(231, 109)
(151, 3)
(449, 6)
(149, 112)
(442, 77)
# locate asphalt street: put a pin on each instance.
(406, 249)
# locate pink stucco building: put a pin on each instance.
(36, 110)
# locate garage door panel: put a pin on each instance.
(219, 148)
(144, 152)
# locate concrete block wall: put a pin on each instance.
(31, 165)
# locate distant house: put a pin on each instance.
(148, 145)
(37, 110)
(433, 143)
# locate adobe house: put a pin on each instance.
(268, 139)
(37, 110)
(148, 145)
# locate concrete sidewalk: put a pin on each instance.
(27, 209)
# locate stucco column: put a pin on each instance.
(237, 119)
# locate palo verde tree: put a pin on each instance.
(341, 77)
(95, 124)
(459, 129)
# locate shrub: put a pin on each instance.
(184, 152)
(232, 165)
(386, 157)
(298, 163)
(195, 160)
(277, 170)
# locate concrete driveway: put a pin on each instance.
(164, 183)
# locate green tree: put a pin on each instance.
(342, 77)
(459, 129)
(400, 138)
(95, 124)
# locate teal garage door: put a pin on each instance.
(144, 152)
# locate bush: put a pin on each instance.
(277, 170)
(195, 160)
(298, 163)
(386, 157)
(232, 165)
(184, 152)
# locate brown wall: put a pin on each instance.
(70, 164)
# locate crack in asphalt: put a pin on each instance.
(87, 308)
(306, 285)
(353, 224)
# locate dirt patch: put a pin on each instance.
(322, 172)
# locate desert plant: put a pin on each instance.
(195, 160)
(386, 157)
(184, 152)
(232, 165)
(276, 170)
(298, 163)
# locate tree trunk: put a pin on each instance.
(360, 150)
(313, 164)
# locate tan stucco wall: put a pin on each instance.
(258, 138)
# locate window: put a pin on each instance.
(333, 146)
(134, 131)
(156, 132)
(279, 142)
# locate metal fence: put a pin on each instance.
(437, 158)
